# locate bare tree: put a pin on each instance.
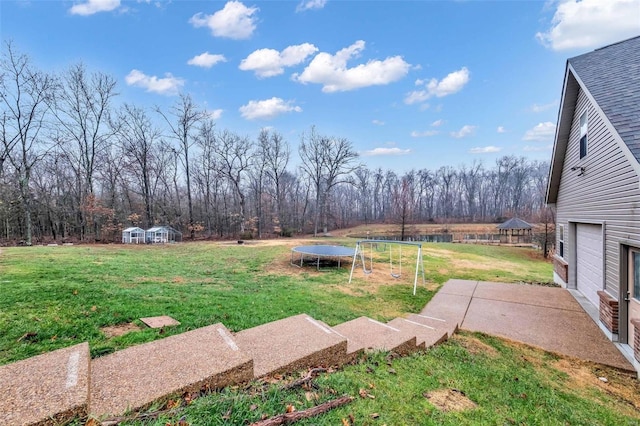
(518, 182)
(185, 116)
(402, 203)
(82, 108)
(501, 178)
(138, 139)
(447, 176)
(207, 169)
(275, 151)
(327, 162)
(363, 186)
(236, 156)
(471, 181)
(25, 98)
(426, 185)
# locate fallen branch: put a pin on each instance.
(296, 383)
(304, 414)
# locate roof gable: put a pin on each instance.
(515, 223)
(611, 77)
(132, 229)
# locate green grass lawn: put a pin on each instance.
(54, 297)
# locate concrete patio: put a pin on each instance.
(546, 317)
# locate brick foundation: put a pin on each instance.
(636, 339)
(609, 314)
(561, 268)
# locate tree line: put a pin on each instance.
(77, 165)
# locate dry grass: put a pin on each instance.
(450, 400)
(425, 229)
(119, 329)
(476, 346)
(583, 377)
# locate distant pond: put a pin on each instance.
(430, 238)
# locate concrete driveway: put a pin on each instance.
(546, 317)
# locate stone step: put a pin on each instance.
(291, 344)
(437, 323)
(133, 378)
(426, 335)
(47, 389)
(370, 335)
(349, 356)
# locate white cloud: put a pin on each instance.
(437, 123)
(90, 7)
(235, 21)
(501, 129)
(206, 60)
(543, 107)
(542, 132)
(484, 150)
(385, 151)
(587, 24)
(310, 5)
(465, 131)
(331, 70)
(169, 85)
(215, 114)
(452, 83)
(268, 108)
(378, 122)
(424, 134)
(530, 148)
(270, 62)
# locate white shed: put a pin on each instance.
(133, 235)
(162, 234)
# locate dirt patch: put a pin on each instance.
(450, 400)
(361, 284)
(119, 329)
(584, 375)
(439, 253)
(270, 243)
(476, 346)
(470, 264)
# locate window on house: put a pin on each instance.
(561, 241)
(583, 135)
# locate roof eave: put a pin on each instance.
(563, 129)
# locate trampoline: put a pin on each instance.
(320, 251)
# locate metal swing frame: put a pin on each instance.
(360, 253)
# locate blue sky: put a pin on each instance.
(412, 84)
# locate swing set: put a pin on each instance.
(396, 272)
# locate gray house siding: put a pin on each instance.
(607, 193)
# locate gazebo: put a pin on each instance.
(163, 234)
(515, 231)
(133, 235)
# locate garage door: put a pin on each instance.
(589, 261)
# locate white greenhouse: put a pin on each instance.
(162, 234)
(133, 235)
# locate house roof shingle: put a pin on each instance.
(612, 75)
